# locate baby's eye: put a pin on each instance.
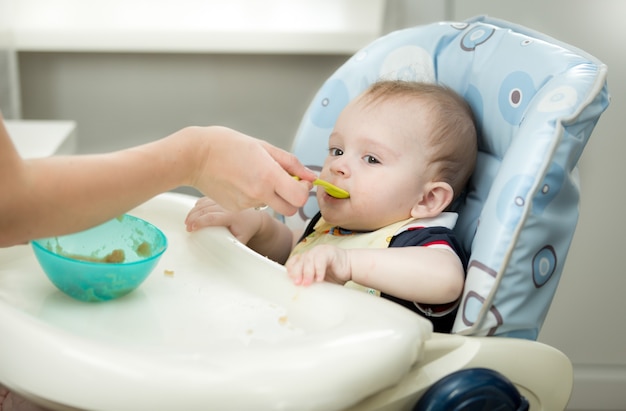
(334, 151)
(371, 159)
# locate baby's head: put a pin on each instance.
(402, 149)
(450, 140)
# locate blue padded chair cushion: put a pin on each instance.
(536, 101)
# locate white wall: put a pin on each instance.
(123, 99)
(133, 71)
(9, 90)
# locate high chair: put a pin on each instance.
(217, 326)
(536, 102)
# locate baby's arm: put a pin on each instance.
(425, 274)
(259, 230)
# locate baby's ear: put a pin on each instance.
(436, 198)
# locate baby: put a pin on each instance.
(404, 151)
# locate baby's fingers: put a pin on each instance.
(294, 269)
(205, 213)
(305, 271)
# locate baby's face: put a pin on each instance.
(376, 154)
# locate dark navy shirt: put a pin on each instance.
(441, 315)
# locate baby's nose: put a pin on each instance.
(340, 167)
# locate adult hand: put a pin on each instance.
(243, 172)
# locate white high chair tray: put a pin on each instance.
(215, 326)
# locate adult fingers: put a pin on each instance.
(289, 195)
(289, 162)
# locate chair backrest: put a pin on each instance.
(536, 102)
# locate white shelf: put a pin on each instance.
(198, 26)
(42, 138)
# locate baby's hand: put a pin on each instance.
(207, 213)
(321, 263)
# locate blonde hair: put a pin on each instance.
(452, 131)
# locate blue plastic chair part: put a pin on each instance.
(536, 102)
(474, 389)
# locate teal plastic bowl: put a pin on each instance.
(104, 262)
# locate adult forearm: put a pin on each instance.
(56, 195)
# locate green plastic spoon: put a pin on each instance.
(332, 190)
